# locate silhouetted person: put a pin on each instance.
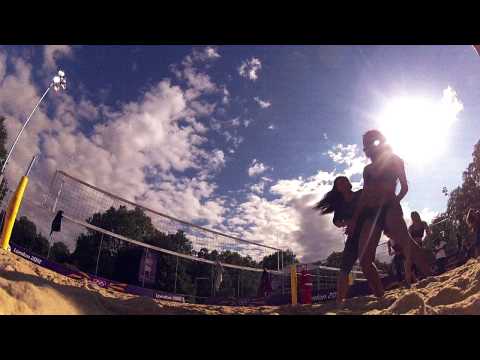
(265, 288)
(473, 222)
(379, 210)
(441, 255)
(418, 228)
(341, 200)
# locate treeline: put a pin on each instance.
(460, 200)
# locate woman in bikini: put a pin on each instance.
(379, 210)
(418, 228)
(341, 200)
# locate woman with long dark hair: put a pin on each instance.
(418, 228)
(379, 210)
(341, 201)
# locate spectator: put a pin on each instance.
(397, 259)
(218, 277)
(265, 288)
(418, 228)
(459, 244)
(441, 255)
(473, 222)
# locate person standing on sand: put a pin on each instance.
(473, 222)
(379, 210)
(341, 200)
(397, 260)
(218, 277)
(418, 228)
(440, 255)
(265, 288)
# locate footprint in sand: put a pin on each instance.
(447, 295)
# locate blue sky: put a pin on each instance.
(237, 138)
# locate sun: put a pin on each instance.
(418, 128)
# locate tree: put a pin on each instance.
(271, 261)
(59, 252)
(133, 224)
(460, 200)
(25, 234)
(334, 259)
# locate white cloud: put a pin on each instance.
(258, 188)
(249, 68)
(271, 127)
(256, 168)
(199, 82)
(263, 104)
(211, 52)
(246, 122)
(226, 96)
(52, 53)
(236, 122)
(3, 66)
(350, 156)
(139, 136)
(325, 136)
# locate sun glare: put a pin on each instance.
(418, 128)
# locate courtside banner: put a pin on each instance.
(104, 283)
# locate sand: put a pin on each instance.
(26, 288)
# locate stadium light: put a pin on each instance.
(59, 82)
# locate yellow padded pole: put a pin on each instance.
(293, 283)
(12, 211)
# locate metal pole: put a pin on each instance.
(58, 196)
(31, 165)
(49, 246)
(238, 284)
(144, 267)
(98, 256)
(175, 286)
(2, 172)
(212, 292)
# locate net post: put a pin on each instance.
(212, 290)
(98, 256)
(144, 267)
(49, 246)
(175, 285)
(57, 197)
(293, 283)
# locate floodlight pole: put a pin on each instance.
(21, 131)
(58, 83)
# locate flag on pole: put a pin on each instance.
(57, 222)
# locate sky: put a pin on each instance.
(243, 139)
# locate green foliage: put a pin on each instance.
(460, 200)
(271, 261)
(25, 234)
(334, 259)
(59, 253)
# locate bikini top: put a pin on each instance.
(386, 173)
